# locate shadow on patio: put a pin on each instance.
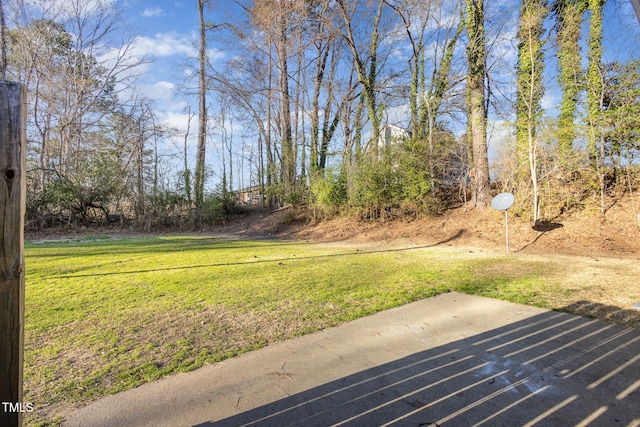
(552, 369)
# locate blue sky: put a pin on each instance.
(167, 32)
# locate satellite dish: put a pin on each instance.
(502, 201)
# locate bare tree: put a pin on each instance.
(530, 92)
(75, 62)
(425, 101)
(198, 188)
(327, 49)
(275, 22)
(365, 63)
(186, 173)
(288, 167)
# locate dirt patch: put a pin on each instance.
(588, 233)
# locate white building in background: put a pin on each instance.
(391, 134)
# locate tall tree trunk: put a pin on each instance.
(227, 147)
(569, 14)
(595, 84)
(328, 125)
(476, 55)
(268, 142)
(298, 136)
(156, 155)
(595, 94)
(139, 165)
(327, 134)
(186, 172)
(288, 171)
(346, 114)
(261, 176)
(44, 133)
(202, 116)
(230, 150)
(530, 92)
(321, 63)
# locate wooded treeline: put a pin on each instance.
(374, 107)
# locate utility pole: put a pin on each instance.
(13, 201)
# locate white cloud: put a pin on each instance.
(180, 122)
(152, 12)
(214, 55)
(499, 136)
(158, 91)
(549, 101)
(170, 44)
(66, 9)
(165, 44)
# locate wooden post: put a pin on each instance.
(12, 210)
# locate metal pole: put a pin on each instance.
(506, 216)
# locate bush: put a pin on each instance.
(392, 182)
(329, 194)
(218, 207)
(375, 185)
(396, 182)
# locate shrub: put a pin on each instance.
(217, 207)
(329, 194)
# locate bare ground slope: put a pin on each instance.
(588, 233)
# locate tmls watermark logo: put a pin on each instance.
(17, 407)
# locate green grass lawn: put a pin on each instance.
(107, 315)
